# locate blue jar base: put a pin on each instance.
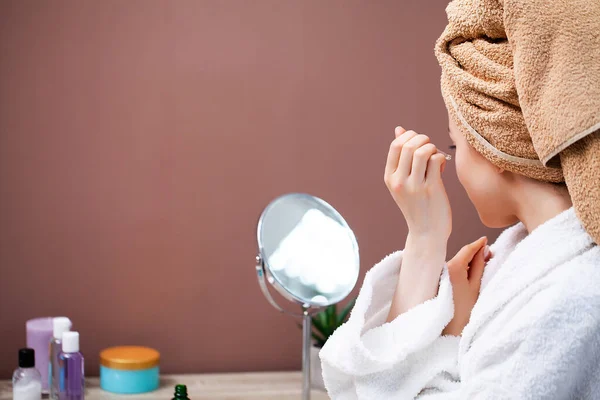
(129, 382)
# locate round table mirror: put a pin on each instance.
(309, 254)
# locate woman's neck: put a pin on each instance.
(539, 202)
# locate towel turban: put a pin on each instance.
(522, 80)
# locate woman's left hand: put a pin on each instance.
(466, 270)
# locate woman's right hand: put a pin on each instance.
(413, 177)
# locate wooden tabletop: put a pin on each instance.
(233, 386)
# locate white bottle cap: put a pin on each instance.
(70, 342)
(60, 326)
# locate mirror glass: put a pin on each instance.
(309, 251)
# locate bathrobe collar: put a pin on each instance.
(524, 259)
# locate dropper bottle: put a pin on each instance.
(181, 393)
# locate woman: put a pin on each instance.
(519, 319)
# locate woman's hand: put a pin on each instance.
(466, 270)
(413, 177)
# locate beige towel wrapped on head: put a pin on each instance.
(522, 80)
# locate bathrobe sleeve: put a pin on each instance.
(550, 349)
(367, 358)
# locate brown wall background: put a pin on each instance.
(140, 140)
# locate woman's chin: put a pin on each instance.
(497, 220)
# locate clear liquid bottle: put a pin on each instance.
(27, 381)
(60, 326)
(71, 385)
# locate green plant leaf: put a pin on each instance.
(331, 318)
(320, 326)
(323, 323)
(344, 314)
(318, 339)
(327, 321)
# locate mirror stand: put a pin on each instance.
(306, 339)
(306, 326)
(307, 253)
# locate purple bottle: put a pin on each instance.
(72, 377)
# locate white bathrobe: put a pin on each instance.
(534, 332)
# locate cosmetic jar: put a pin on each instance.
(39, 333)
(129, 369)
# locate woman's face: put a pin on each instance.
(487, 186)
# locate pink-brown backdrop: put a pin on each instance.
(140, 140)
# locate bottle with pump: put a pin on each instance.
(60, 326)
(71, 385)
(27, 381)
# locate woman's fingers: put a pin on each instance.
(420, 160)
(487, 255)
(435, 167)
(412, 155)
(391, 164)
(399, 131)
(408, 150)
(465, 255)
(476, 268)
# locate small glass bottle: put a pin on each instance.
(60, 326)
(71, 384)
(27, 381)
(181, 393)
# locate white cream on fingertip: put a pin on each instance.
(447, 156)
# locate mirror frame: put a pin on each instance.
(263, 265)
